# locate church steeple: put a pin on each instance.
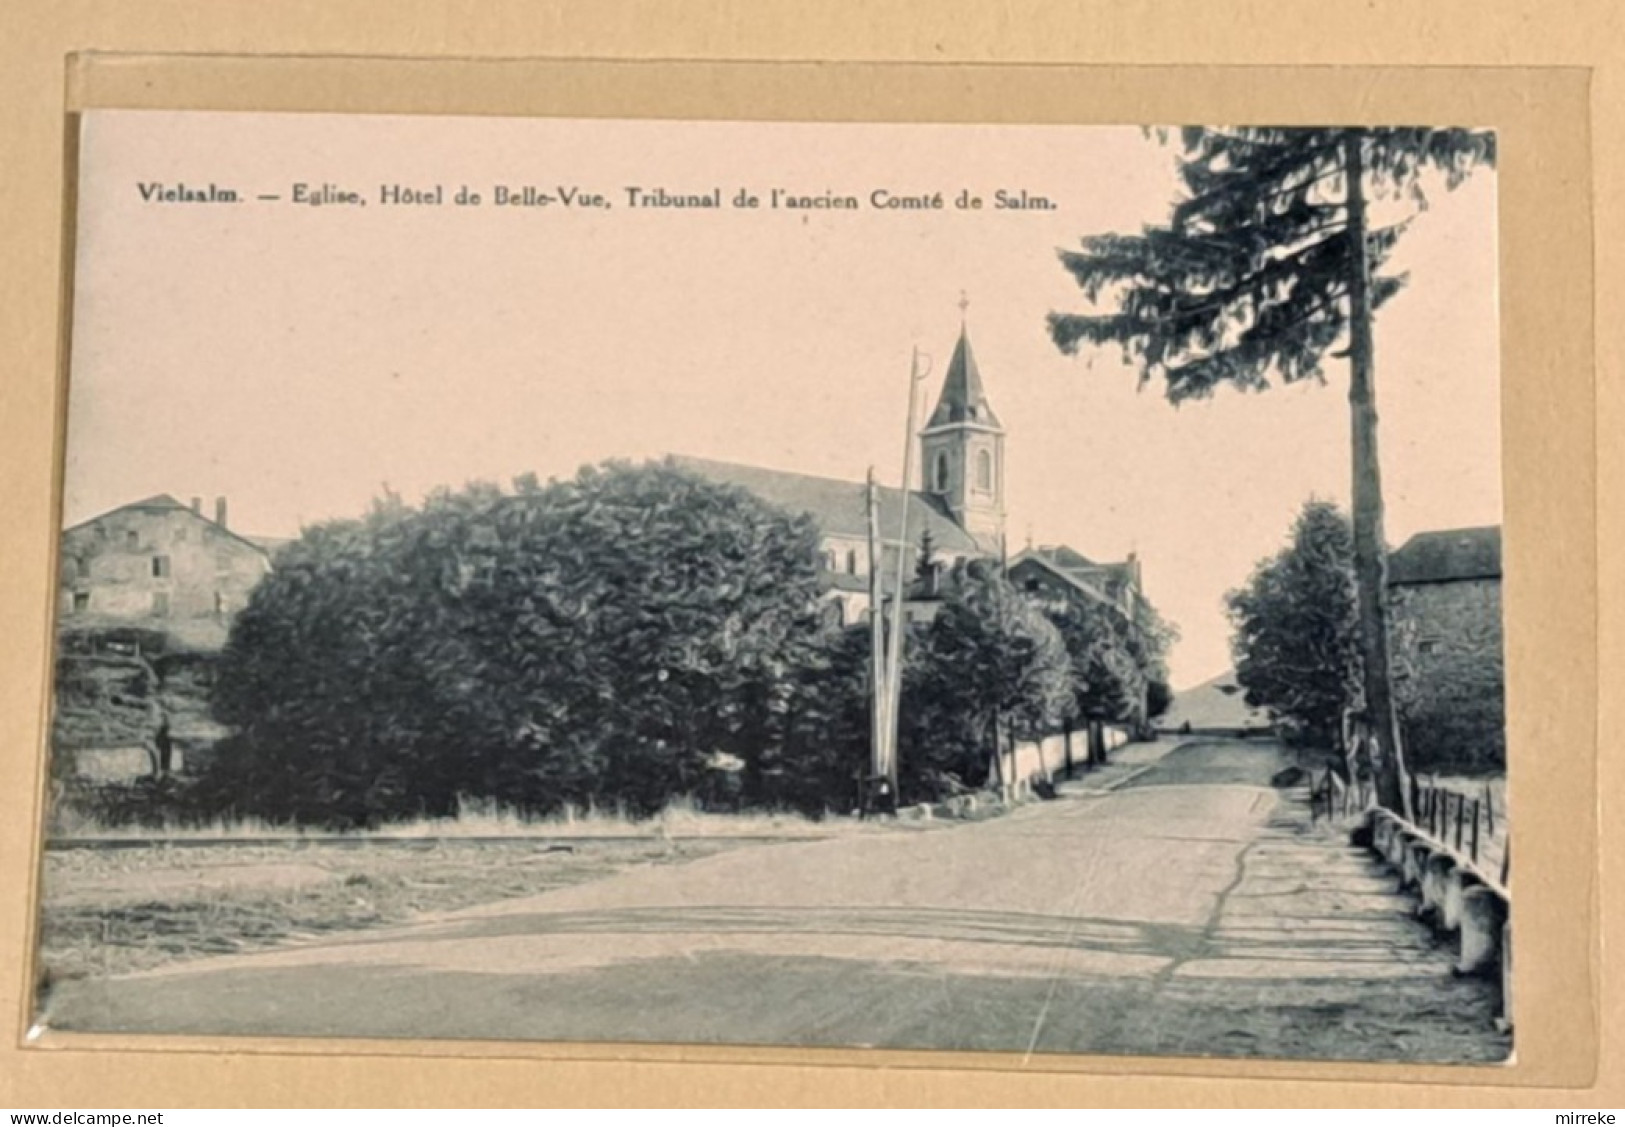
(963, 399)
(962, 450)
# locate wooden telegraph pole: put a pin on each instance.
(879, 694)
(894, 662)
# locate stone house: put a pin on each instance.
(146, 596)
(162, 565)
(1444, 598)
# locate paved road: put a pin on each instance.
(1188, 912)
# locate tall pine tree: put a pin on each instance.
(1268, 265)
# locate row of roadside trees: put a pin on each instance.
(616, 640)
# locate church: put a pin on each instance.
(955, 513)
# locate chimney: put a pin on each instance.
(220, 511)
(197, 505)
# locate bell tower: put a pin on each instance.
(962, 451)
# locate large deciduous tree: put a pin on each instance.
(602, 640)
(1295, 629)
(1269, 264)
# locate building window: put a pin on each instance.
(942, 473)
(160, 603)
(81, 567)
(179, 535)
(132, 539)
(160, 567)
(984, 471)
(81, 602)
(851, 561)
(829, 559)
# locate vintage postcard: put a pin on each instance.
(868, 585)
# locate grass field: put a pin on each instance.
(475, 819)
(110, 911)
(121, 899)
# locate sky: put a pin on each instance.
(299, 359)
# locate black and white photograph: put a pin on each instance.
(1022, 588)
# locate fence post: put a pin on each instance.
(1461, 817)
(1489, 810)
(1475, 831)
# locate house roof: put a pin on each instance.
(1447, 556)
(1072, 577)
(156, 501)
(838, 506)
(963, 399)
(1109, 578)
(160, 502)
(1064, 557)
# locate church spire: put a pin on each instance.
(963, 399)
(962, 449)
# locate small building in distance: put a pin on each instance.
(1444, 604)
(160, 565)
(1216, 707)
(1058, 569)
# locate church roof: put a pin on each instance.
(1451, 554)
(838, 506)
(963, 399)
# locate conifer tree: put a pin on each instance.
(1269, 264)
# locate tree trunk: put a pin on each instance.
(1370, 553)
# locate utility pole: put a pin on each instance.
(894, 663)
(879, 698)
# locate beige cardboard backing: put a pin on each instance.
(1567, 1013)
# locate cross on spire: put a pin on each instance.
(964, 304)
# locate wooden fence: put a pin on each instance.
(1468, 823)
(1473, 825)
